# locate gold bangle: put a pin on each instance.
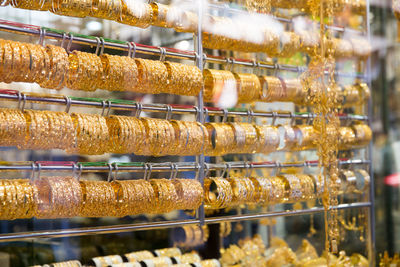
(347, 137)
(222, 139)
(220, 196)
(168, 252)
(268, 138)
(363, 135)
(139, 256)
(279, 192)
(217, 81)
(13, 127)
(243, 191)
(348, 181)
(190, 193)
(363, 180)
(249, 87)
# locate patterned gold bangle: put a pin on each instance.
(139, 256)
(190, 193)
(243, 191)
(221, 196)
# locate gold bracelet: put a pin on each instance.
(218, 193)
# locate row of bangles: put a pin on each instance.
(65, 197)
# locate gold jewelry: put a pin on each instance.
(190, 193)
(218, 193)
(139, 256)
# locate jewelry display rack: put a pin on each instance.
(201, 113)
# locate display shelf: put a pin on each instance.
(200, 167)
(168, 224)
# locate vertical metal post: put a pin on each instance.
(198, 38)
(371, 213)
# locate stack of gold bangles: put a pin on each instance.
(287, 44)
(252, 88)
(52, 67)
(285, 188)
(159, 257)
(65, 197)
(95, 135)
(357, 6)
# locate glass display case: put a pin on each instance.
(186, 133)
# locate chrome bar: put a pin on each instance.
(95, 230)
(165, 224)
(161, 167)
(249, 217)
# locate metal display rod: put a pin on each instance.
(109, 104)
(149, 50)
(167, 224)
(159, 167)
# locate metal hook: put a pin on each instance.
(205, 112)
(251, 168)
(225, 115)
(276, 69)
(278, 167)
(149, 168)
(146, 168)
(104, 104)
(197, 58)
(163, 52)
(129, 48)
(115, 171)
(169, 112)
(71, 37)
(233, 62)
(39, 168)
(196, 113)
(206, 169)
(42, 35)
(224, 171)
(229, 63)
(67, 103)
(197, 167)
(247, 167)
(19, 100)
(74, 167)
(228, 169)
(138, 109)
(37, 171)
(63, 39)
(22, 107)
(250, 115)
(102, 46)
(310, 117)
(97, 46)
(110, 169)
(256, 67)
(134, 49)
(292, 118)
(32, 171)
(274, 117)
(205, 59)
(174, 171)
